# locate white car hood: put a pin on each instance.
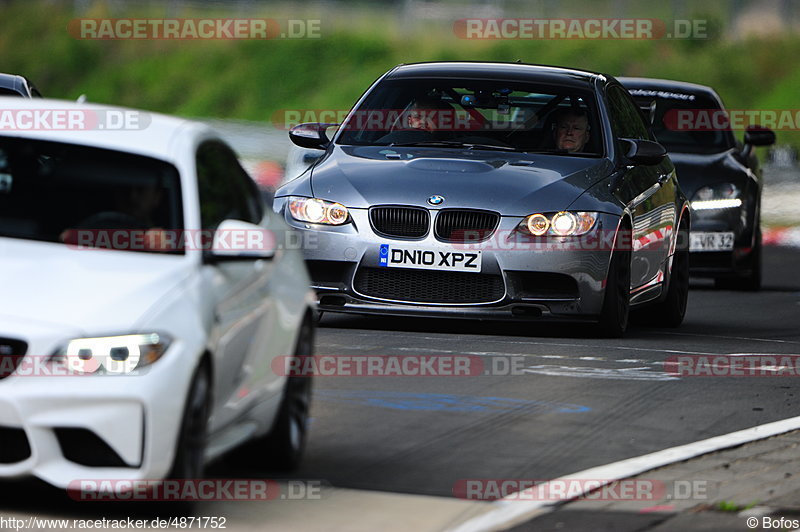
(93, 291)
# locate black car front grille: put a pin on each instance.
(428, 286)
(11, 354)
(456, 225)
(542, 285)
(14, 446)
(84, 447)
(400, 222)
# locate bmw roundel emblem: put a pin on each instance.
(436, 200)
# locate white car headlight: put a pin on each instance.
(116, 355)
(719, 196)
(558, 224)
(318, 211)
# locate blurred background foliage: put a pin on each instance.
(750, 54)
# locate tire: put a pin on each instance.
(671, 311)
(189, 459)
(282, 448)
(752, 281)
(617, 300)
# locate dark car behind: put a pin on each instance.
(718, 173)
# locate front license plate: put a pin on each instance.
(710, 241)
(429, 259)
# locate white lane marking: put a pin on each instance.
(732, 337)
(628, 374)
(632, 360)
(591, 358)
(492, 353)
(514, 509)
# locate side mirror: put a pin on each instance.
(645, 152)
(759, 136)
(237, 240)
(310, 135)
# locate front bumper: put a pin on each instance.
(553, 278)
(68, 428)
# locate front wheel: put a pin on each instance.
(282, 448)
(671, 311)
(190, 450)
(616, 303)
(752, 281)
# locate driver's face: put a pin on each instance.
(572, 133)
(420, 119)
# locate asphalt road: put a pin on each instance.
(581, 401)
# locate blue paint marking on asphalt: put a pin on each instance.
(444, 402)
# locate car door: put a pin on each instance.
(649, 192)
(240, 289)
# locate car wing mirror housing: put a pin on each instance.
(311, 135)
(644, 152)
(235, 240)
(759, 136)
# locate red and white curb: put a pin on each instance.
(782, 236)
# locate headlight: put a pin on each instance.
(317, 211)
(112, 354)
(720, 196)
(558, 224)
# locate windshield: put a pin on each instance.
(684, 122)
(77, 195)
(476, 114)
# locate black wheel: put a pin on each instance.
(670, 312)
(282, 448)
(616, 303)
(750, 282)
(189, 459)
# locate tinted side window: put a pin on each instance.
(626, 120)
(226, 191)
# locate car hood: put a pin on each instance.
(514, 184)
(88, 290)
(698, 170)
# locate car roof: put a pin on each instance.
(154, 138)
(667, 85)
(496, 70)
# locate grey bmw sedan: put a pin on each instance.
(493, 191)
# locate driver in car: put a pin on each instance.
(135, 210)
(418, 123)
(571, 130)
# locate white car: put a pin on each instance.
(140, 336)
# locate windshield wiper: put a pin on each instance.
(453, 144)
(556, 151)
